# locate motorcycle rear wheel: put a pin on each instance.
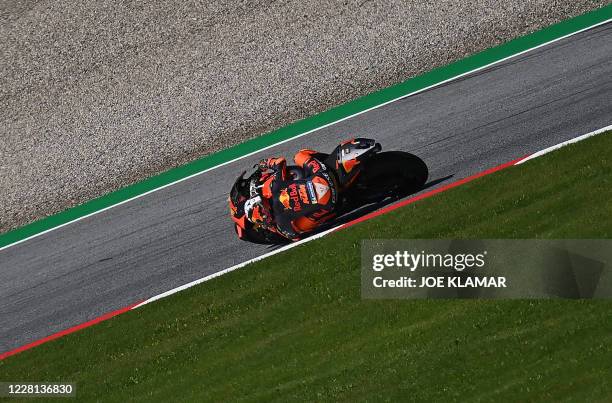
(390, 174)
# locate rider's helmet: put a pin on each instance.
(247, 208)
(255, 210)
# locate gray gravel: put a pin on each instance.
(95, 95)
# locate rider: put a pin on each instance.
(293, 204)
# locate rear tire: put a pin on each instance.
(391, 173)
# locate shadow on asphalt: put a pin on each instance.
(369, 208)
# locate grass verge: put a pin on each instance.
(293, 327)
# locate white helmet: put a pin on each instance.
(254, 210)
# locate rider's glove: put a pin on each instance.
(271, 166)
(262, 165)
(274, 164)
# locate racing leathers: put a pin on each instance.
(298, 205)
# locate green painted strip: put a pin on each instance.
(417, 83)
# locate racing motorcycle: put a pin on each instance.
(363, 175)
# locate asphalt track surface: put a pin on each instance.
(183, 232)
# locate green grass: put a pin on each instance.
(293, 327)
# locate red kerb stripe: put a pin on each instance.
(68, 331)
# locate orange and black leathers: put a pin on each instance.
(299, 206)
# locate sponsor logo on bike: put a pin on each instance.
(295, 198)
(284, 199)
(303, 194)
(311, 192)
(322, 190)
(314, 166)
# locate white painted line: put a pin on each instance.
(238, 266)
(556, 147)
(310, 131)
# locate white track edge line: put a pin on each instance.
(308, 132)
(563, 144)
(230, 269)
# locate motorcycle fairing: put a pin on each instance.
(349, 155)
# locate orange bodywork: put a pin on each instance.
(304, 224)
(272, 162)
(267, 188)
(349, 165)
(256, 215)
(240, 221)
(233, 208)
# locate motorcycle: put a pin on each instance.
(362, 172)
